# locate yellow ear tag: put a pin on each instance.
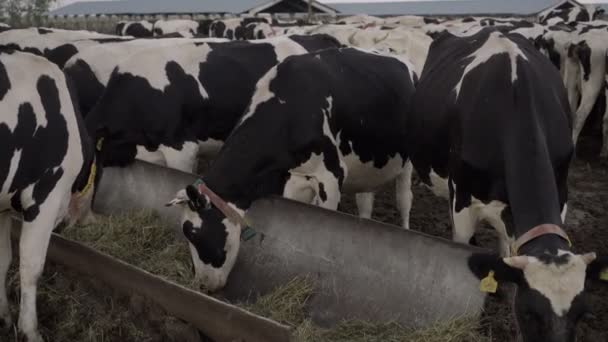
(99, 144)
(604, 275)
(488, 284)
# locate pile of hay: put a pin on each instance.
(143, 240)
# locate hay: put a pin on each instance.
(287, 304)
(73, 311)
(140, 239)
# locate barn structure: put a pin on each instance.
(192, 7)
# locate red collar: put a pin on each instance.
(219, 203)
(536, 232)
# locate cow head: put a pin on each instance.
(214, 240)
(550, 300)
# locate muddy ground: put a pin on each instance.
(586, 223)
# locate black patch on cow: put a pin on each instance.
(218, 29)
(583, 53)
(138, 30)
(230, 34)
(43, 31)
(88, 88)
(110, 40)
(588, 28)
(42, 149)
(5, 82)
(209, 242)
(119, 28)
(428, 20)
(468, 20)
(548, 45)
(477, 141)
(557, 260)
(61, 54)
(370, 93)
(322, 193)
(316, 42)
(204, 26)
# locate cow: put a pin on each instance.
(579, 51)
(489, 129)
(242, 28)
(181, 26)
(569, 12)
(48, 171)
(90, 69)
(56, 45)
(169, 105)
(4, 27)
(137, 29)
(318, 124)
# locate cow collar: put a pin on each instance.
(233, 216)
(536, 232)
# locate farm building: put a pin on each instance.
(251, 7)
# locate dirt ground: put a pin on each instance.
(586, 223)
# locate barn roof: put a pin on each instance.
(173, 6)
(445, 7)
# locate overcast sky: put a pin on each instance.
(67, 2)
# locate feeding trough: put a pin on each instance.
(362, 269)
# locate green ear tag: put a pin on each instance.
(488, 284)
(604, 275)
(247, 233)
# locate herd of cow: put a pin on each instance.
(486, 111)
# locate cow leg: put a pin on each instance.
(404, 194)
(184, 159)
(464, 221)
(589, 90)
(5, 261)
(33, 246)
(365, 204)
(604, 151)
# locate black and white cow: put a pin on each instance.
(168, 105)
(489, 129)
(91, 68)
(181, 26)
(47, 173)
(318, 124)
(569, 12)
(240, 28)
(56, 45)
(137, 29)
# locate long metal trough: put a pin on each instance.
(362, 269)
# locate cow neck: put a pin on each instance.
(540, 240)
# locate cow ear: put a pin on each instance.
(481, 264)
(180, 198)
(598, 269)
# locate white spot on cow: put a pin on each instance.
(151, 64)
(439, 185)
(262, 93)
(560, 284)
(496, 44)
